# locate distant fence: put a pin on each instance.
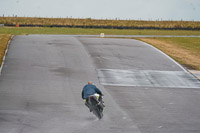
(1, 25)
(106, 27)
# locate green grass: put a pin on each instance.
(48, 30)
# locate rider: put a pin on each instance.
(89, 90)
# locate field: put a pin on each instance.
(47, 22)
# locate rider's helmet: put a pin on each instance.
(89, 82)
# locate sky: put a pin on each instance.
(104, 9)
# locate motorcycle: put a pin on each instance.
(96, 105)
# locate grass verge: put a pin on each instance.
(48, 30)
(4, 38)
(186, 51)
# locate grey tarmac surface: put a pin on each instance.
(43, 75)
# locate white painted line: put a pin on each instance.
(165, 55)
(5, 54)
(196, 73)
(184, 69)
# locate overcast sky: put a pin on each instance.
(102, 9)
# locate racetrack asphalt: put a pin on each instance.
(145, 91)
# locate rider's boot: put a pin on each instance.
(103, 104)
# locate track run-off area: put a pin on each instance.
(145, 91)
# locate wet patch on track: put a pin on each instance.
(150, 78)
